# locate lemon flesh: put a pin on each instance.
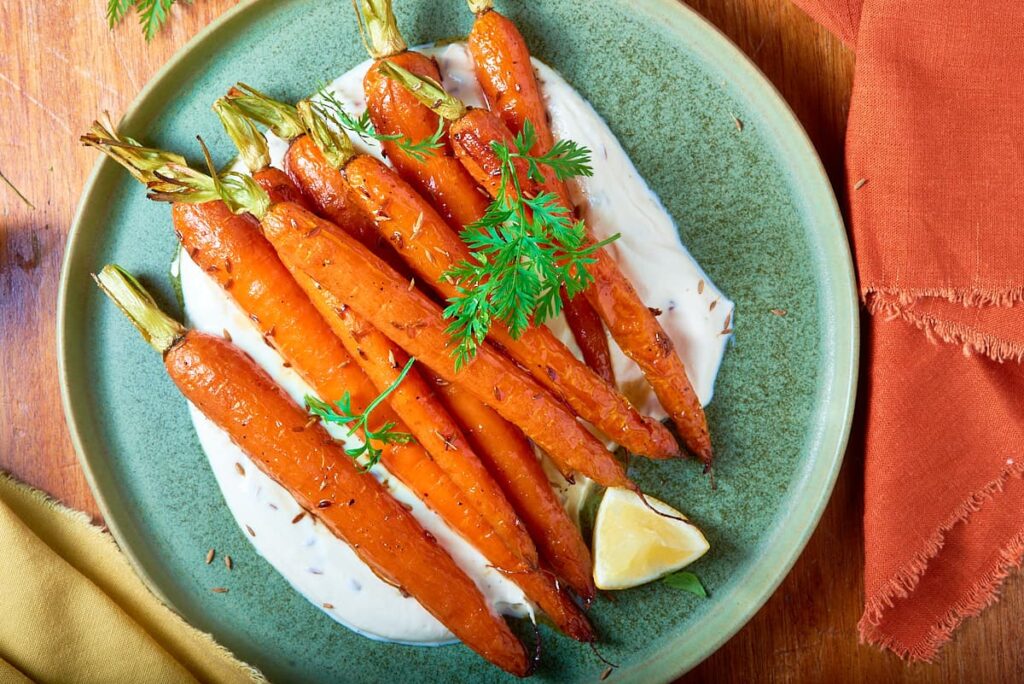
(634, 545)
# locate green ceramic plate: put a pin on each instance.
(754, 207)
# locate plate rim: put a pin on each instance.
(673, 658)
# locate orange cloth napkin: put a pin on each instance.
(935, 169)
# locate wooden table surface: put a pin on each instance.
(61, 66)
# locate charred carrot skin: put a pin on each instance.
(231, 249)
(510, 458)
(516, 557)
(430, 247)
(414, 400)
(434, 428)
(334, 199)
(506, 75)
(367, 284)
(280, 187)
(462, 492)
(439, 176)
(590, 335)
(458, 199)
(466, 482)
(234, 393)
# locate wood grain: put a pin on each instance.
(61, 66)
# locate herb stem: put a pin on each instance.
(16, 191)
(342, 414)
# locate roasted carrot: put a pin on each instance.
(240, 398)
(511, 459)
(505, 72)
(416, 402)
(425, 241)
(438, 176)
(350, 273)
(394, 111)
(381, 360)
(429, 246)
(231, 249)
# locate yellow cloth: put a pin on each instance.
(73, 610)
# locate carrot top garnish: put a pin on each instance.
(333, 142)
(158, 329)
(280, 117)
(378, 28)
(170, 179)
(428, 91)
(251, 144)
(480, 6)
(343, 414)
(525, 249)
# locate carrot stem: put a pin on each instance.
(158, 329)
(377, 23)
(480, 6)
(251, 144)
(428, 91)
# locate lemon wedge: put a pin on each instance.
(634, 545)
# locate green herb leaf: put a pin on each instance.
(525, 249)
(332, 108)
(342, 414)
(152, 13)
(116, 9)
(687, 581)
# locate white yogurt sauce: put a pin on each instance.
(317, 564)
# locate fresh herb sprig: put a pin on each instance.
(152, 13)
(343, 414)
(525, 249)
(332, 108)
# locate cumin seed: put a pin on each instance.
(300, 516)
(860, 184)
(219, 590)
(738, 123)
(700, 286)
(227, 335)
(209, 556)
(251, 532)
(779, 312)
(239, 469)
(327, 606)
(323, 503)
(228, 563)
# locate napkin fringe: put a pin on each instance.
(892, 305)
(876, 296)
(983, 594)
